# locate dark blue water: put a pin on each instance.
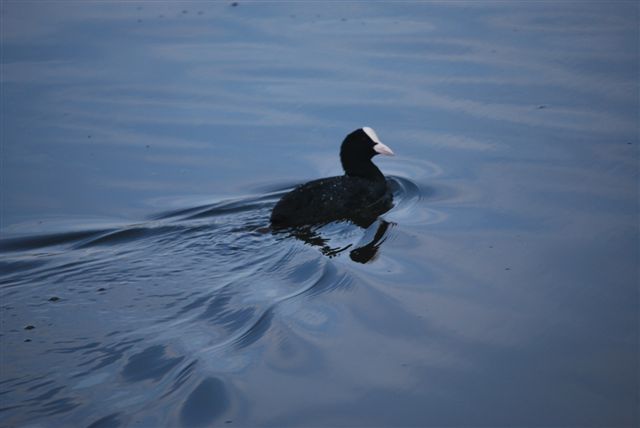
(144, 145)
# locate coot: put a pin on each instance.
(359, 196)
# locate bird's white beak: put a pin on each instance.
(382, 149)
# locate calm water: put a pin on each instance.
(144, 145)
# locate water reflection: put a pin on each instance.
(361, 254)
(369, 251)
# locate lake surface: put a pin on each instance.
(144, 145)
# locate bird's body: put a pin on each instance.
(360, 196)
(333, 199)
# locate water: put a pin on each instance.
(144, 144)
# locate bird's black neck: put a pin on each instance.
(362, 168)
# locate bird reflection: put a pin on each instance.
(369, 251)
(362, 254)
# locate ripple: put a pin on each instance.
(417, 169)
(150, 364)
(255, 332)
(129, 234)
(329, 280)
(110, 421)
(224, 207)
(46, 240)
(107, 355)
(183, 376)
(207, 402)
(219, 312)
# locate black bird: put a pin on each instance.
(359, 196)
